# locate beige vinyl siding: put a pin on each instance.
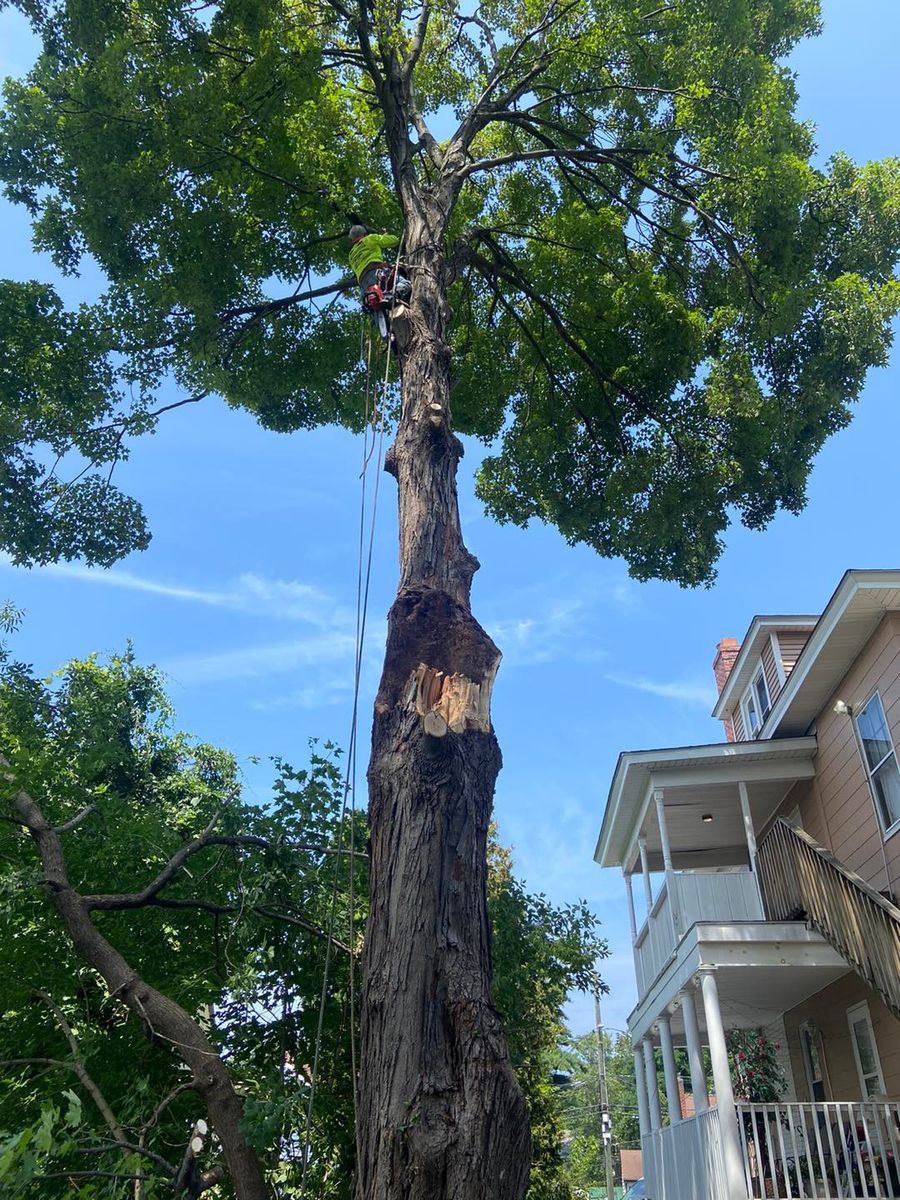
(737, 719)
(827, 1010)
(790, 643)
(837, 808)
(770, 670)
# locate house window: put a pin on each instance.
(862, 1036)
(813, 1061)
(756, 702)
(880, 761)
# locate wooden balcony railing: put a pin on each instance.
(800, 878)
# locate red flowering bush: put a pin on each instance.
(756, 1074)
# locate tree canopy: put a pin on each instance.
(662, 305)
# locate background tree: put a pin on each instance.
(654, 304)
(580, 1106)
(94, 1100)
(541, 952)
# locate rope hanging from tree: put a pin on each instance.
(375, 417)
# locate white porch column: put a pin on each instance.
(632, 923)
(658, 800)
(641, 1089)
(652, 1084)
(748, 822)
(671, 1075)
(718, 1053)
(645, 871)
(695, 1055)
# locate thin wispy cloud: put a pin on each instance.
(559, 625)
(682, 691)
(286, 599)
(273, 658)
(329, 691)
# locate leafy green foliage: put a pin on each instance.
(662, 306)
(248, 959)
(580, 1099)
(756, 1073)
(58, 396)
(541, 952)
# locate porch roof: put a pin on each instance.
(763, 969)
(697, 781)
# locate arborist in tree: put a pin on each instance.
(384, 287)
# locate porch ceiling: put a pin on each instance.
(720, 842)
(697, 779)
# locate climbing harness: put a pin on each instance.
(385, 298)
(381, 296)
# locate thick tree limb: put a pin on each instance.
(159, 1013)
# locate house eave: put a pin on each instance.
(855, 610)
(761, 628)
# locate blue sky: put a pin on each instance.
(246, 596)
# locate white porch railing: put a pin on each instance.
(825, 1151)
(698, 896)
(684, 1161)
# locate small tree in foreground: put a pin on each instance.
(218, 910)
(645, 295)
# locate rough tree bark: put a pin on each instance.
(162, 1017)
(441, 1116)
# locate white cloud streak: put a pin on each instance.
(253, 662)
(559, 628)
(683, 691)
(286, 599)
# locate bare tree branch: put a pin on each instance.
(74, 822)
(166, 875)
(80, 1070)
(266, 307)
(115, 901)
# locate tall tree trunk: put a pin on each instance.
(441, 1114)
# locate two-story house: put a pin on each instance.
(769, 869)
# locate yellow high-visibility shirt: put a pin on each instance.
(370, 249)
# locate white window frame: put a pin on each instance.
(886, 830)
(750, 694)
(808, 1030)
(779, 661)
(853, 1015)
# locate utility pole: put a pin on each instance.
(605, 1118)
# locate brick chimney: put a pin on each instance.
(726, 653)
